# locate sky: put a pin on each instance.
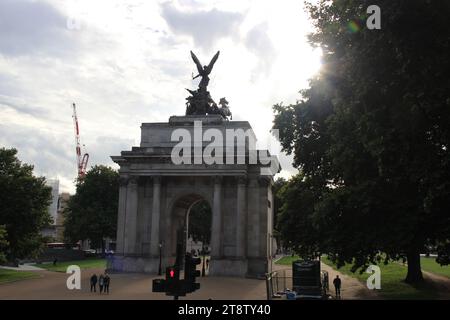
(128, 62)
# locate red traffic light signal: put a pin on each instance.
(172, 273)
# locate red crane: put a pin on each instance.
(81, 161)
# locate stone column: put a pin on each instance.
(121, 214)
(216, 236)
(145, 209)
(264, 183)
(131, 216)
(241, 212)
(253, 226)
(156, 213)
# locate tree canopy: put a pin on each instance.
(277, 202)
(3, 244)
(24, 206)
(91, 213)
(371, 136)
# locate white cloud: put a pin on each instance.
(259, 43)
(128, 62)
(30, 27)
(206, 27)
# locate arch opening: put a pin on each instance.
(192, 229)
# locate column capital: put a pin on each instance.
(123, 181)
(157, 179)
(242, 179)
(217, 179)
(133, 180)
(264, 181)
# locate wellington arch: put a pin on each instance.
(157, 191)
(155, 195)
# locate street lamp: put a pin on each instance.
(160, 258)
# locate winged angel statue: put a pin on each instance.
(204, 71)
(200, 101)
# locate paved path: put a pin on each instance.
(351, 288)
(439, 283)
(52, 285)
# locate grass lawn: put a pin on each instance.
(287, 260)
(83, 264)
(13, 275)
(392, 285)
(430, 265)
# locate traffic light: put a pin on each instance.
(172, 273)
(191, 272)
(159, 285)
(173, 286)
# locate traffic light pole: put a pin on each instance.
(172, 285)
(204, 256)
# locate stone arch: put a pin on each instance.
(154, 190)
(178, 212)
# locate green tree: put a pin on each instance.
(277, 202)
(373, 133)
(24, 206)
(295, 222)
(91, 213)
(200, 219)
(3, 244)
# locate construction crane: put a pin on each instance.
(81, 160)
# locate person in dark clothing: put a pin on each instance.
(101, 283)
(106, 281)
(337, 286)
(325, 282)
(94, 282)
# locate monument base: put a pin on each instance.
(134, 264)
(228, 267)
(253, 268)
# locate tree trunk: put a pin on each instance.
(414, 271)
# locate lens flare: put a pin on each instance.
(353, 26)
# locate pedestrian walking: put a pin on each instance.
(101, 283)
(94, 282)
(106, 282)
(337, 286)
(325, 282)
